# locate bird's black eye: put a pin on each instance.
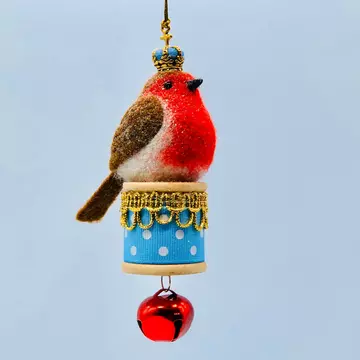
(168, 85)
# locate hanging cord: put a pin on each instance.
(166, 11)
(166, 289)
(165, 25)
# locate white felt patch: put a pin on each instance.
(146, 164)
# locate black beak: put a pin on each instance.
(194, 84)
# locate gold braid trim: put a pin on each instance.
(174, 202)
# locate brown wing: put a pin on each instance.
(138, 127)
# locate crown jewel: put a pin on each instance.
(168, 58)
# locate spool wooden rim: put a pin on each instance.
(165, 186)
(164, 270)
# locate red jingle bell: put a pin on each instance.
(165, 317)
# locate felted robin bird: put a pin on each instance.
(166, 135)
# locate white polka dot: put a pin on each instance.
(146, 234)
(193, 250)
(133, 250)
(202, 233)
(179, 234)
(132, 218)
(164, 217)
(163, 251)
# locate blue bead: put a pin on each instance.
(158, 54)
(173, 53)
(182, 53)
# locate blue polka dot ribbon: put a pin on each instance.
(164, 244)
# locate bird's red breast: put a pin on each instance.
(191, 131)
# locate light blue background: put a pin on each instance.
(282, 81)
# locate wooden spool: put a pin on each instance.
(164, 228)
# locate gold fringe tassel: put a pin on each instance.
(154, 202)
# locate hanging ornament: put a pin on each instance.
(165, 317)
(164, 144)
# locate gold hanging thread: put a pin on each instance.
(165, 25)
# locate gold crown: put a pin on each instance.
(168, 58)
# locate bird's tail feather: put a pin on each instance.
(97, 206)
